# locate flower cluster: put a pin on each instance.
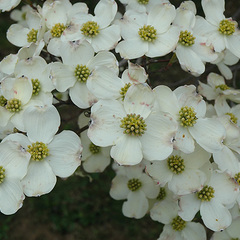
(175, 151)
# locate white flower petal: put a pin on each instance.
(76, 52)
(187, 182)
(194, 231)
(161, 16)
(104, 83)
(214, 10)
(139, 99)
(35, 119)
(189, 60)
(105, 12)
(107, 39)
(39, 180)
(189, 206)
(132, 48)
(226, 160)
(136, 206)
(81, 96)
(119, 189)
(164, 44)
(150, 188)
(105, 122)
(64, 153)
(208, 133)
(164, 211)
(160, 172)
(14, 158)
(215, 216)
(233, 44)
(62, 76)
(123, 152)
(17, 35)
(11, 195)
(157, 141)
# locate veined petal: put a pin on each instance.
(157, 141)
(62, 76)
(81, 96)
(39, 180)
(132, 48)
(17, 35)
(215, 216)
(119, 189)
(189, 206)
(194, 231)
(208, 133)
(164, 44)
(189, 181)
(104, 83)
(104, 58)
(127, 150)
(96, 163)
(232, 43)
(107, 39)
(41, 123)
(164, 211)
(76, 52)
(214, 10)
(105, 12)
(189, 60)
(226, 160)
(105, 122)
(169, 233)
(64, 153)
(149, 187)
(160, 172)
(139, 99)
(14, 157)
(136, 206)
(161, 16)
(11, 195)
(166, 100)
(183, 140)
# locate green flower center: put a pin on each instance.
(176, 164)
(32, 36)
(124, 89)
(58, 29)
(233, 118)
(187, 116)
(133, 124)
(94, 149)
(3, 101)
(148, 33)
(186, 38)
(81, 73)
(237, 178)
(143, 1)
(90, 29)
(38, 151)
(134, 184)
(226, 27)
(36, 87)
(162, 194)
(206, 194)
(14, 105)
(2, 174)
(222, 87)
(178, 224)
